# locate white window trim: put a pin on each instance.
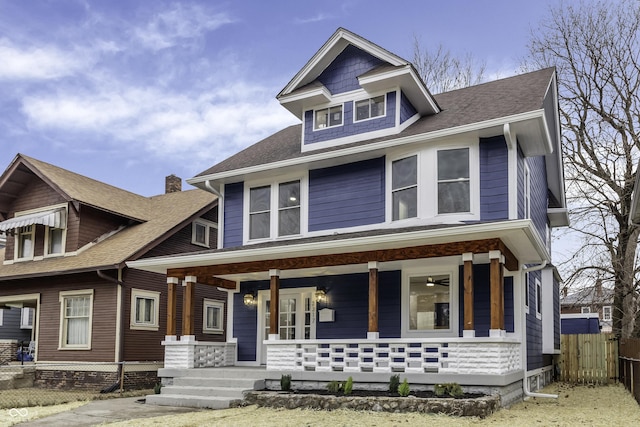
(585, 310)
(527, 298)
(428, 184)
(355, 113)
(212, 303)
(29, 318)
(141, 293)
(527, 191)
(30, 256)
(46, 242)
(62, 331)
(273, 230)
(208, 225)
(610, 316)
(1, 316)
(538, 288)
(444, 267)
(327, 107)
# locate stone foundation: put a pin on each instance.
(8, 351)
(479, 407)
(64, 379)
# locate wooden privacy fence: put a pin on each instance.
(630, 365)
(588, 358)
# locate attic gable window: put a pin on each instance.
(25, 237)
(55, 241)
(370, 108)
(328, 117)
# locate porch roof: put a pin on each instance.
(517, 240)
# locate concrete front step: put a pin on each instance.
(214, 388)
(235, 393)
(209, 402)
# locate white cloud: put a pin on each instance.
(37, 63)
(319, 17)
(179, 24)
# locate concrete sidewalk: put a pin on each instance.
(107, 411)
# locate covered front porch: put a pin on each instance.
(454, 348)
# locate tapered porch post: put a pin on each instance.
(274, 307)
(373, 332)
(469, 328)
(172, 283)
(497, 293)
(188, 326)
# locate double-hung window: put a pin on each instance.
(75, 318)
(144, 309)
(404, 188)
(274, 210)
(55, 241)
(201, 232)
(328, 117)
(213, 316)
(606, 313)
(369, 108)
(25, 239)
(454, 181)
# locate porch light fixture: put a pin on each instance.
(249, 300)
(321, 295)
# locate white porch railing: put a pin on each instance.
(189, 353)
(428, 355)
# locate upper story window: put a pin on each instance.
(328, 117)
(435, 182)
(54, 241)
(453, 181)
(404, 188)
(275, 210)
(369, 108)
(201, 232)
(606, 312)
(24, 242)
(538, 299)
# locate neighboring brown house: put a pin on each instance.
(67, 240)
(589, 300)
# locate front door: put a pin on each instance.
(297, 317)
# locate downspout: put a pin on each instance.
(120, 302)
(210, 188)
(525, 382)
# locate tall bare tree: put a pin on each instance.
(596, 49)
(442, 71)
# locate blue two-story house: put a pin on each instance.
(392, 231)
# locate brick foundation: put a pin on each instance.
(62, 379)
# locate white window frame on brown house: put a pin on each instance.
(210, 303)
(149, 297)
(207, 225)
(64, 296)
(605, 316)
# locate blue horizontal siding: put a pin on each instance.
(494, 179)
(406, 109)
(233, 200)
(347, 195)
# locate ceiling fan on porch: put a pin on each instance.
(434, 281)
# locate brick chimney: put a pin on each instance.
(172, 184)
(599, 288)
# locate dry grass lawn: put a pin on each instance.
(576, 406)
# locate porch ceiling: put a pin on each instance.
(517, 240)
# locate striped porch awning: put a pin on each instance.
(56, 218)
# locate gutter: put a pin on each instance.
(210, 188)
(525, 382)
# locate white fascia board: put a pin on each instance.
(331, 49)
(359, 244)
(423, 137)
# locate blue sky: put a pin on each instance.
(129, 91)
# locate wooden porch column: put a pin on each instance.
(189, 286)
(497, 291)
(469, 328)
(172, 283)
(373, 332)
(274, 307)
